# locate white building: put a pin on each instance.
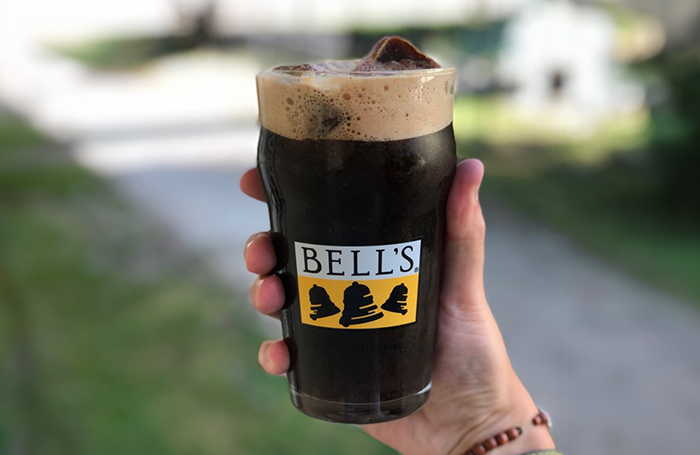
(560, 55)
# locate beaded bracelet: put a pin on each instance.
(507, 436)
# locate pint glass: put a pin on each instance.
(356, 169)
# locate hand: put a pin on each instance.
(475, 394)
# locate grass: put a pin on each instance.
(114, 342)
(124, 53)
(493, 122)
(595, 189)
(135, 53)
(14, 132)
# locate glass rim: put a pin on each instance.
(360, 74)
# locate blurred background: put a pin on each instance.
(125, 126)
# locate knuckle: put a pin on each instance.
(478, 227)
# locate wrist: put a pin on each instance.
(518, 413)
(533, 439)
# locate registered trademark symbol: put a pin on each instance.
(416, 270)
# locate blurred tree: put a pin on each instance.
(676, 119)
(676, 127)
(681, 19)
(197, 19)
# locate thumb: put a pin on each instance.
(463, 266)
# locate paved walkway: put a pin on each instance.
(616, 362)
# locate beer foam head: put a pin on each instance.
(393, 93)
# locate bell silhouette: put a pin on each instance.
(397, 300)
(321, 304)
(359, 306)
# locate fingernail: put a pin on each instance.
(263, 352)
(250, 241)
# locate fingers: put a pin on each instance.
(260, 254)
(274, 357)
(463, 276)
(267, 295)
(252, 185)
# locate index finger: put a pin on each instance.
(252, 185)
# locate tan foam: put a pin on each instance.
(338, 104)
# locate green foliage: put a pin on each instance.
(599, 189)
(618, 215)
(113, 342)
(675, 142)
(456, 41)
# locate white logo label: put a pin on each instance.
(357, 262)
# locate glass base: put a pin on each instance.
(359, 413)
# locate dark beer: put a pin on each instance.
(356, 172)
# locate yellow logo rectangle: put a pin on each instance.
(358, 304)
